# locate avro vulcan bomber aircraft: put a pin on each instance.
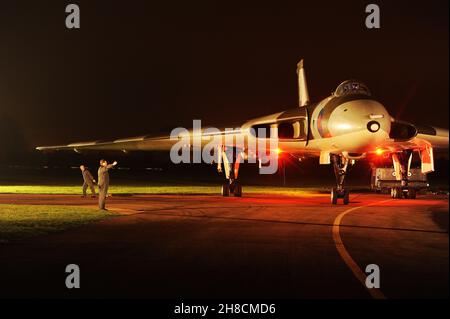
(347, 126)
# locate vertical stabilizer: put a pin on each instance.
(303, 96)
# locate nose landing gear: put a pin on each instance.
(231, 186)
(340, 165)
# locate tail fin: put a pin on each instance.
(303, 96)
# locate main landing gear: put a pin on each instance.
(402, 163)
(340, 165)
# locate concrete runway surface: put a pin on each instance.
(254, 246)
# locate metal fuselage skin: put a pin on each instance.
(343, 124)
(352, 124)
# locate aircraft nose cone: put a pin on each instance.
(360, 125)
(357, 116)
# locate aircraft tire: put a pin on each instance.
(225, 190)
(334, 196)
(346, 197)
(237, 190)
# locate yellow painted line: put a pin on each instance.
(359, 274)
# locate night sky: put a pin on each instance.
(138, 67)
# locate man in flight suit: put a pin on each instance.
(103, 182)
(89, 181)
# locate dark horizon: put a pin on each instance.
(144, 68)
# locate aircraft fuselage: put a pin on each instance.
(351, 124)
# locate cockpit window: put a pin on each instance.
(352, 87)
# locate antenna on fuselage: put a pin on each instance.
(303, 96)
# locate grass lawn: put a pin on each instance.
(156, 189)
(23, 221)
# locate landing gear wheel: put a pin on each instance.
(334, 196)
(237, 190)
(346, 197)
(225, 190)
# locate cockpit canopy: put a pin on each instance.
(351, 87)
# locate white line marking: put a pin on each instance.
(359, 274)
